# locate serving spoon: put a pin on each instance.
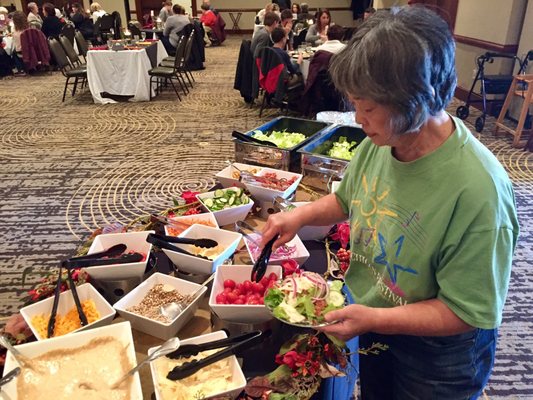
(172, 310)
(168, 347)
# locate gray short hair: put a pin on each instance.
(403, 58)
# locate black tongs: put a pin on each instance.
(251, 139)
(232, 344)
(53, 313)
(162, 242)
(260, 265)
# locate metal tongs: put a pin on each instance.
(164, 242)
(232, 344)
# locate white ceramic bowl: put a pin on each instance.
(266, 194)
(190, 220)
(240, 313)
(300, 255)
(226, 179)
(238, 379)
(334, 186)
(229, 215)
(196, 265)
(120, 331)
(66, 303)
(155, 328)
(312, 232)
(136, 241)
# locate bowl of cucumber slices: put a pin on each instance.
(227, 205)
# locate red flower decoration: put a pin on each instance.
(343, 234)
(189, 197)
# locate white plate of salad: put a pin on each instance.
(303, 300)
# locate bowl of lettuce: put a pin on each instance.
(303, 300)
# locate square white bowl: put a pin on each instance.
(66, 303)
(300, 255)
(238, 378)
(229, 215)
(155, 328)
(266, 194)
(312, 232)
(189, 220)
(120, 331)
(240, 313)
(226, 178)
(196, 265)
(136, 241)
(334, 186)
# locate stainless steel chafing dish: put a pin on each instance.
(284, 159)
(319, 169)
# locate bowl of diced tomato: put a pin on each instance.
(236, 298)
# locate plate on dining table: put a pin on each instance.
(305, 56)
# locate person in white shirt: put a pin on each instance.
(333, 44)
(34, 19)
(97, 11)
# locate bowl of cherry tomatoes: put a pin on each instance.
(236, 298)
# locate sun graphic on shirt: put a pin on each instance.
(371, 208)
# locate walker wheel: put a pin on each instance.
(462, 112)
(480, 123)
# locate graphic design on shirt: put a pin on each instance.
(410, 223)
(372, 207)
(389, 257)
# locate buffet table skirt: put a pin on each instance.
(122, 73)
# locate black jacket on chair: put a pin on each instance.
(244, 71)
(196, 61)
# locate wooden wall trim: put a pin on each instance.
(491, 46)
(256, 10)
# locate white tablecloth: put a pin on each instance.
(122, 73)
(9, 47)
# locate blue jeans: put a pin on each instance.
(425, 368)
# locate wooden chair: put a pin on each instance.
(522, 87)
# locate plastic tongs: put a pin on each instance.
(113, 255)
(169, 221)
(260, 265)
(251, 139)
(232, 344)
(164, 242)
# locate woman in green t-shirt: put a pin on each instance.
(432, 217)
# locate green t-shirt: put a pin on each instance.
(443, 226)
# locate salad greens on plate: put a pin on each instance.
(303, 300)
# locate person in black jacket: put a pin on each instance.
(283, 4)
(51, 24)
(82, 21)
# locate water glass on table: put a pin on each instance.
(143, 36)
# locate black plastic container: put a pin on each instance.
(284, 159)
(318, 168)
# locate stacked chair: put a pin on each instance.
(70, 69)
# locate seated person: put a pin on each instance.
(295, 10)
(34, 19)
(286, 23)
(368, 13)
(283, 4)
(317, 33)
(260, 17)
(208, 20)
(97, 11)
(304, 16)
(166, 11)
(52, 25)
(262, 37)
(279, 37)
(333, 44)
(82, 21)
(21, 23)
(4, 19)
(173, 27)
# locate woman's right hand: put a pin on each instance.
(283, 224)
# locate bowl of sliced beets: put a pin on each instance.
(269, 183)
(227, 205)
(236, 298)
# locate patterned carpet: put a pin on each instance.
(69, 168)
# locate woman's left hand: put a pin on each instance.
(354, 320)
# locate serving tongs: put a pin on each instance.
(162, 243)
(10, 376)
(232, 344)
(249, 138)
(72, 285)
(169, 221)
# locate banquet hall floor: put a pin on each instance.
(68, 168)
